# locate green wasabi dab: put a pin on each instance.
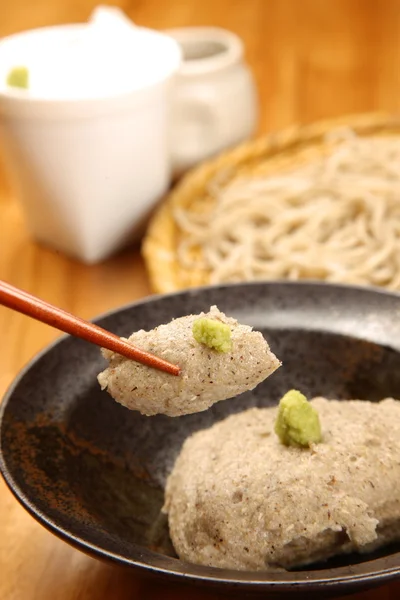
(297, 423)
(18, 77)
(212, 333)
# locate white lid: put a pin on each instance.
(88, 62)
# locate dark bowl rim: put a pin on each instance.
(381, 570)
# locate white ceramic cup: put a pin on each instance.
(215, 98)
(88, 165)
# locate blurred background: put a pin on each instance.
(311, 59)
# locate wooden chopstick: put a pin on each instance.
(38, 309)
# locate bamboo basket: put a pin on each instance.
(270, 154)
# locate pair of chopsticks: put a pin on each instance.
(34, 307)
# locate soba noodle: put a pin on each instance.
(336, 219)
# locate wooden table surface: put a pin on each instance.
(312, 59)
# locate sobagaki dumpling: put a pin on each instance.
(207, 375)
(238, 498)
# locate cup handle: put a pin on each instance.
(196, 128)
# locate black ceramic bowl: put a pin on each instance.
(93, 472)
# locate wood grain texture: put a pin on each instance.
(312, 59)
